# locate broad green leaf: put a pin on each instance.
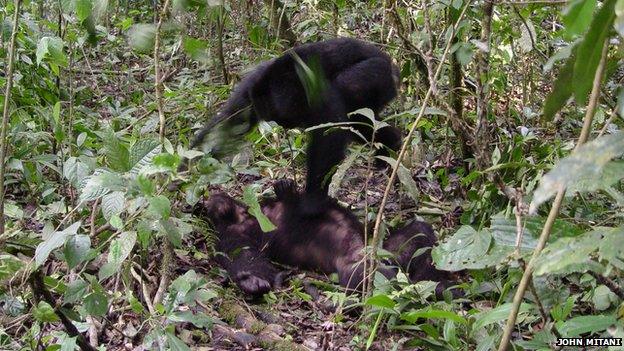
(142, 153)
(83, 9)
(113, 204)
(585, 324)
(116, 152)
(197, 49)
(465, 249)
(119, 250)
(610, 247)
(12, 210)
(200, 320)
(176, 344)
(96, 304)
(380, 301)
(50, 49)
(497, 315)
(562, 89)
(56, 112)
(45, 313)
(76, 249)
(578, 15)
(590, 50)
(169, 228)
(67, 343)
(9, 265)
(99, 184)
(56, 240)
(249, 198)
(160, 207)
(568, 255)
(585, 165)
(141, 37)
(75, 171)
(116, 221)
(75, 291)
(413, 316)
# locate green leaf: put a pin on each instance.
(116, 221)
(113, 204)
(496, 315)
(96, 304)
(116, 152)
(56, 112)
(585, 324)
(568, 255)
(119, 250)
(562, 89)
(197, 49)
(380, 301)
(142, 153)
(584, 166)
(413, 316)
(250, 199)
(200, 320)
(50, 49)
(45, 313)
(160, 207)
(75, 291)
(176, 344)
(578, 15)
(83, 9)
(67, 343)
(611, 248)
(590, 50)
(99, 184)
(141, 37)
(56, 240)
(169, 228)
(76, 249)
(9, 265)
(75, 171)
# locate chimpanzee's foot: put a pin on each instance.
(252, 284)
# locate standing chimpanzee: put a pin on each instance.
(310, 85)
(330, 242)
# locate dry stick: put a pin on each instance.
(5, 114)
(167, 248)
(41, 293)
(554, 210)
(481, 137)
(158, 86)
(406, 143)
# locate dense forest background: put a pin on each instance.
(511, 112)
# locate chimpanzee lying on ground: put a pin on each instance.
(330, 242)
(310, 85)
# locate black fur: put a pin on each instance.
(339, 76)
(329, 242)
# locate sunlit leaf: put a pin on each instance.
(119, 250)
(56, 240)
(590, 50)
(585, 324)
(578, 15)
(582, 168)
